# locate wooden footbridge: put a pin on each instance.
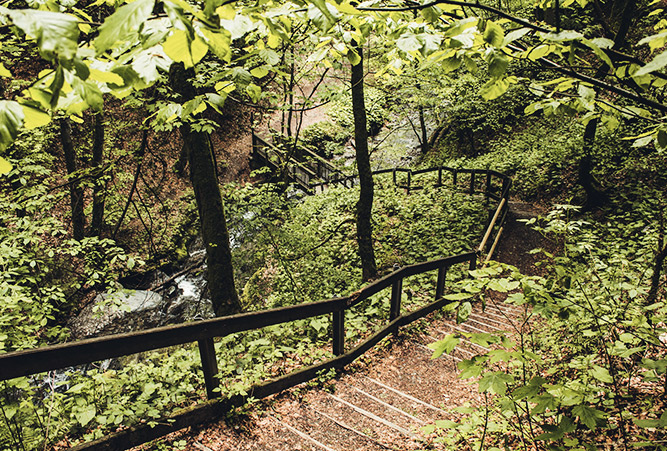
(313, 175)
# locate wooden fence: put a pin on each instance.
(40, 360)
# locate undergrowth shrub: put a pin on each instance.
(588, 367)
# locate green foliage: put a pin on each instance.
(590, 356)
(471, 124)
(340, 110)
(41, 269)
(325, 137)
(307, 252)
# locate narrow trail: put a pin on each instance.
(378, 403)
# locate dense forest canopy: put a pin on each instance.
(120, 126)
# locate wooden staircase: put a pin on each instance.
(379, 405)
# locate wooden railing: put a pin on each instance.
(40, 360)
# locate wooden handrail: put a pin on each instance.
(39, 360)
(217, 407)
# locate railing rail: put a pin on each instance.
(39, 360)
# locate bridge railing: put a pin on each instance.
(40, 360)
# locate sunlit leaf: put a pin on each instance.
(125, 22)
(658, 63)
(5, 166)
(57, 34)
(493, 34)
(444, 346)
(11, 121)
(34, 118)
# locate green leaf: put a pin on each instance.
(493, 34)
(259, 72)
(464, 311)
(180, 48)
(84, 415)
(538, 52)
(90, 93)
(498, 63)
(57, 34)
(542, 403)
(254, 91)
(495, 88)
(495, 382)
(529, 391)
(601, 374)
(451, 64)
(514, 35)
(647, 423)
(35, 118)
(106, 77)
(444, 346)
(11, 121)
(566, 35)
(123, 24)
(269, 56)
(661, 139)
(587, 415)
(446, 424)
(408, 42)
(658, 63)
(219, 43)
(469, 369)
(458, 296)
(4, 72)
(655, 41)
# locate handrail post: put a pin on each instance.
(488, 186)
(440, 284)
(338, 332)
(395, 305)
(473, 262)
(439, 176)
(394, 176)
(455, 173)
(472, 181)
(209, 366)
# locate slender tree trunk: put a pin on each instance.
(595, 195)
(290, 113)
(422, 125)
(75, 190)
(209, 203)
(365, 204)
(100, 184)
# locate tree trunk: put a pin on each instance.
(100, 184)
(595, 195)
(365, 204)
(209, 203)
(75, 190)
(422, 124)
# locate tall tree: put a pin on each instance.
(365, 204)
(209, 202)
(75, 189)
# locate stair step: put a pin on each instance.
(320, 427)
